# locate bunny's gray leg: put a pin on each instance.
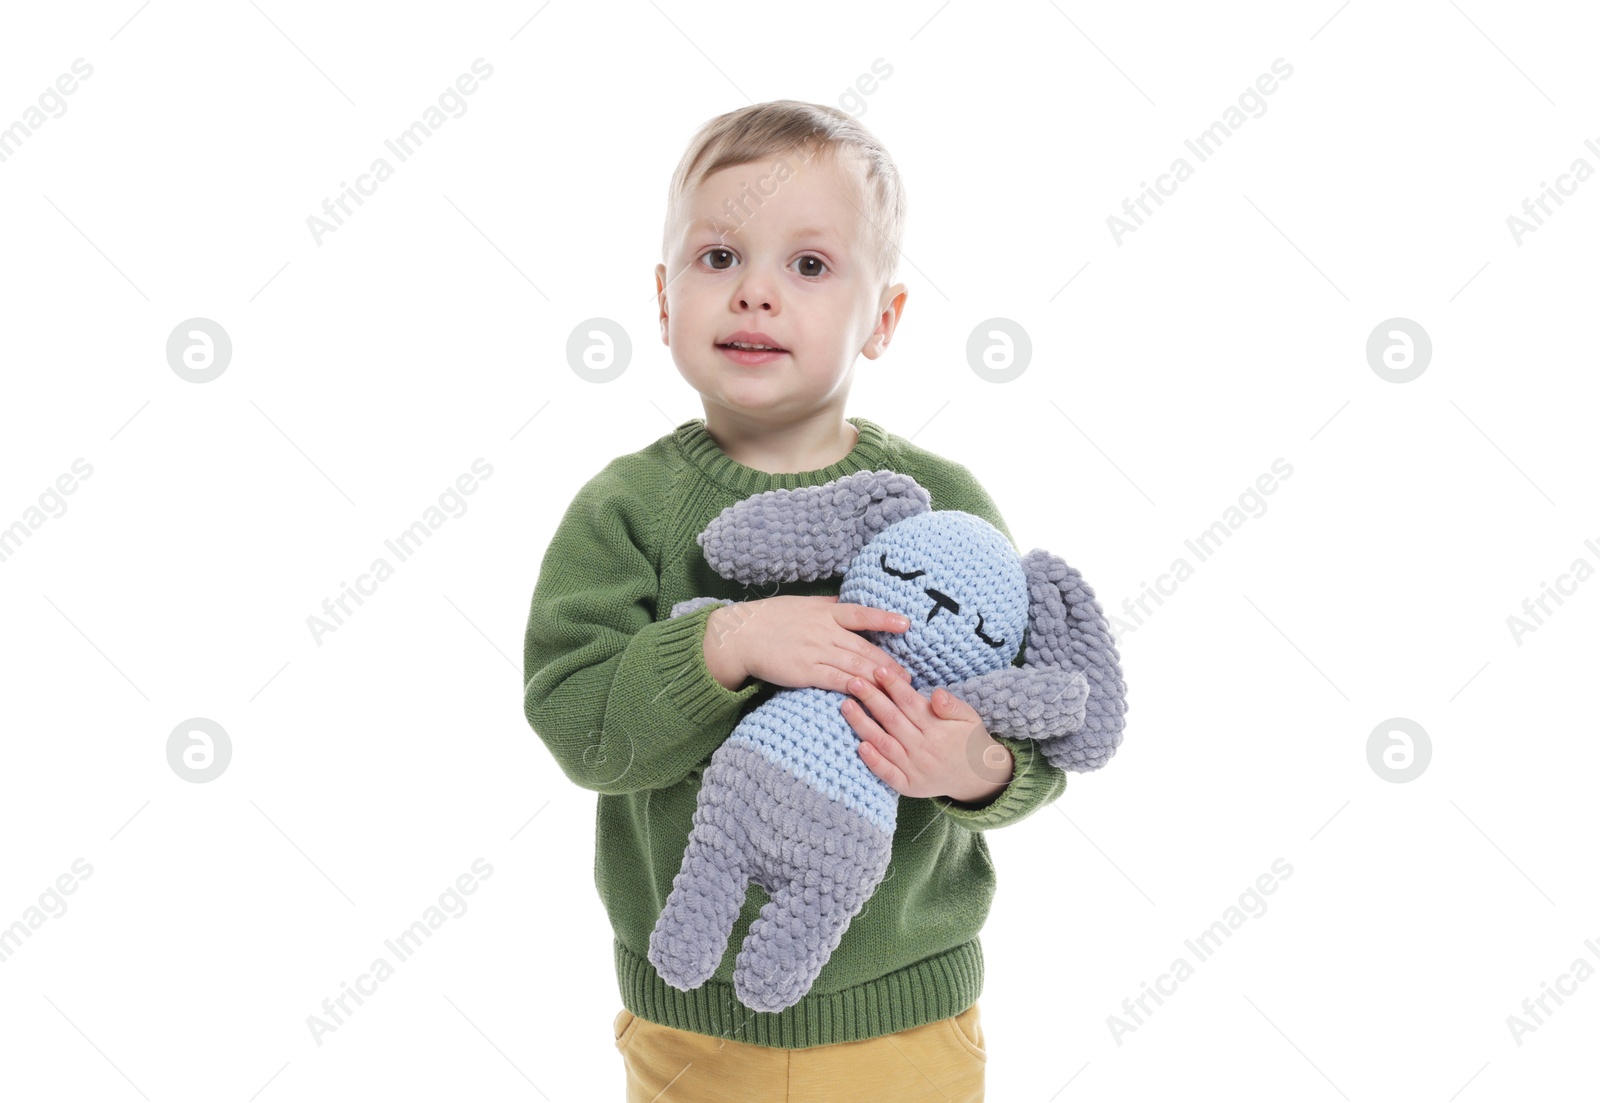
(828, 861)
(691, 934)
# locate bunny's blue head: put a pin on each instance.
(961, 584)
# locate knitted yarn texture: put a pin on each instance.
(786, 800)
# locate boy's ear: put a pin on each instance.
(661, 298)
(892, 305)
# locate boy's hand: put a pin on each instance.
(924, 748)
(794, 640)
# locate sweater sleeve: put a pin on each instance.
(623, 701)
(1034, 784)
(1034, 781)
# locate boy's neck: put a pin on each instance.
(806, 445)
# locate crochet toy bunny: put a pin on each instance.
(786, 800)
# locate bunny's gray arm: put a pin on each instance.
(1070, 696)
(1024, 703)
(1073, 633)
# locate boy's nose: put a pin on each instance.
(756, 290)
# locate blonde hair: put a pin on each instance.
(766, 130)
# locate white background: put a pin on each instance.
(369, 371)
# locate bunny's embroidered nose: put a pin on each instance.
(944, 600)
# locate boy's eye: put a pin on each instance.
(714, 257)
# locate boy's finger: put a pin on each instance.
(886, 716)
(898, 688)
(873, 619)
(895, 668)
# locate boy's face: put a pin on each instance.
(782, 249)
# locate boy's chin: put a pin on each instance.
(755, 400)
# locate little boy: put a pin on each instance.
(781, 242)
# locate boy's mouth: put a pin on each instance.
(751, 339)
(751, 348)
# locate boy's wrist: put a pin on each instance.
(721, 650)
(981, 791)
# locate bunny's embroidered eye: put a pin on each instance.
(986, 639)
(883, 561)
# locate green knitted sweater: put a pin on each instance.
(621, 696)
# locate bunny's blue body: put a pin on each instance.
(787, 800)
(964, 574)
(803, 731)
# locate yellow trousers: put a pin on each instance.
(938, 1062)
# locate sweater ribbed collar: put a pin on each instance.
(700, 449)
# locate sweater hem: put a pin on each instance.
(937, 987)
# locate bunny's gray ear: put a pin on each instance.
(1068, 629)
(808, 532)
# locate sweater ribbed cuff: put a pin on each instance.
(687, 681)
(1032, 779)
(934, 988)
